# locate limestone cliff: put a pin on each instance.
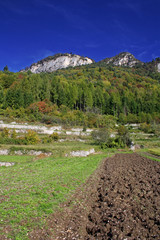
(58, 61)
(122, 59)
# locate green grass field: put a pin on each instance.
(32, 190)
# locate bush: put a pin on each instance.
(8, 140)
(156, 129)
(31, 137)
(51, 138)
(54, 136)
(147, 128)
(46, 139)
(5, 133)
(42, 106)
(113, 143)
(14, 134)
(101, 136)
(50, 119)
(123, 137)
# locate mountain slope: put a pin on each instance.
(58, 61)
(122, 59)
(91, 89)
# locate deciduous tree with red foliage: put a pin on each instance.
(42, 106)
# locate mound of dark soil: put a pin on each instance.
(121, 201)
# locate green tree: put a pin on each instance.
(5, 69)
(14, 98)
(101, 136)
(123, 135)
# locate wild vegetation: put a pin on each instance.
(105, 139)
(81, 96)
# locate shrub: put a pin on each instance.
(54, 136)
(101, 136)
(156, 129)
(123, 136)
(147, 128)
(112, 143)
(51, 138)
(14, 134)
(46, 139)
(5, 133)
(122, 130)
(31, 137)
(8, 140)
(42, 106)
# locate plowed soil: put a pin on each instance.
(121, 201)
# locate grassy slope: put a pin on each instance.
(34, 189)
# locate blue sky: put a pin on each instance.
(34, 29)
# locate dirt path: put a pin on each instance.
(122, 202)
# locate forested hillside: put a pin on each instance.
(125, 93)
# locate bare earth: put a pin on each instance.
(120, 201)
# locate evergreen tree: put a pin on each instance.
(5, 69)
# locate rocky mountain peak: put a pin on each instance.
(122, 59)
(58, 61)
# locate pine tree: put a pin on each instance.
(5, 69)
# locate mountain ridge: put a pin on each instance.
(64, 60)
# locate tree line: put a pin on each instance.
(102, 90)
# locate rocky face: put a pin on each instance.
(58, 61)
(158, 67)
(122, 59)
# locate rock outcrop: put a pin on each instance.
(122, 59)
(158, 67)
(58, 61)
